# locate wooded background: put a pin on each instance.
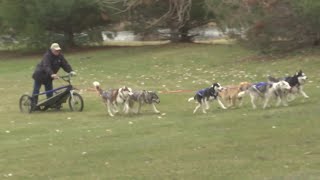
(267, 25)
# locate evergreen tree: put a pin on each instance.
(43, 21)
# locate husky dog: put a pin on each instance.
(114, 97)
(204, 95)
(267, 91)
(296, 82)
(230, 93)
(144, 97)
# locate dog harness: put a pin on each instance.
(202, 91)
(260, 87)
(260, 84)
(107, 95)
(212, 93)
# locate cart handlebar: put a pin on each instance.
(67, 77)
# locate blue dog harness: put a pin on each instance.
(260, 84)
(201, 92)
(107, 95)
(212, 93)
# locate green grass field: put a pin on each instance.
(238, 143)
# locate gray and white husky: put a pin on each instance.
(266, 91)
(144, 97)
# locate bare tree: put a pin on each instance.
(178, 15)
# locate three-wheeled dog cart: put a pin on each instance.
(61, 95)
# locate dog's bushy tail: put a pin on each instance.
(191, 99)
(97, 86)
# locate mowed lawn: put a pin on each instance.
(238, 143)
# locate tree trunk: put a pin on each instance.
(175, 36)
(181, 35)
(69, 38)
(316, 42)
(184, 35)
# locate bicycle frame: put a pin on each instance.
(59, 97)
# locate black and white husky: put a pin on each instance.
(266, 91)
(204, 95)
(296, 82)
(144, 97)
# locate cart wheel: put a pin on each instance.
(25, 104)
(76, 103)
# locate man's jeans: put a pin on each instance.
(36, 90)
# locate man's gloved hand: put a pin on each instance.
(54, 76)
(72, 73)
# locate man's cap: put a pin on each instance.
(55, 46)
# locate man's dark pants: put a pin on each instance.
(36, 90)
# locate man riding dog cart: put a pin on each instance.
(46, 71)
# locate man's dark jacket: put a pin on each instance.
(50, 64)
